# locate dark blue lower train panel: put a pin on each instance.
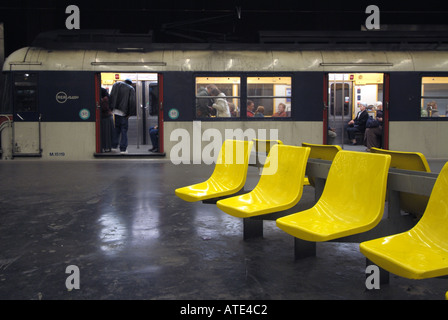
(67, 96)
(54, 96)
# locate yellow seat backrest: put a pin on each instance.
(434, 223)
(232, 162)
(356, 186)
(352, 201)
(228, 177)
(281, 175)
(322, 151)
(265, 145)
(405, 160)
(421, 252)
(416, 161)
(280, 186)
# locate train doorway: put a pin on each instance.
(147, 96)
(345, 92)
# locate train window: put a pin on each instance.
(218, 97)
(434, 100)
(271, 96)
(25, 92)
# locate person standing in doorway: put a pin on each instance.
(122, 102)
(107, 122)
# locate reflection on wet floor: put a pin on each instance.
(132, 238)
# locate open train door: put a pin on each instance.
(149, 112)
(343, 92)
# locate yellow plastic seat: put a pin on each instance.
(421, 252)
(416, 161)
(228, 177)
(262, 148)
(405, 160)
(265, 145)
(320, 151)
(352, 200)
(280, 186)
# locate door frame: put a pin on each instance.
(98, 110)
(386, 106)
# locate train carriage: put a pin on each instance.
(52, 97)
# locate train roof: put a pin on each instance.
(40, 59)
(326, 52)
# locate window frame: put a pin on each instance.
(216, 75)
(243, 97)
(273, 97)
(426, 98)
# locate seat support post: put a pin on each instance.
(319, 185)
(252, 228)
(304, 249)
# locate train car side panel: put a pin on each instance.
(67, 96)
(178, 94)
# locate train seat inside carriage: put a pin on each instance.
(421, 252)
(280, 186)
(345, 207)
(228, 177)
(415, 161)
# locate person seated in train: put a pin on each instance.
(431, 109)
(232, 109)
(154, 135)
(220, 104)
(260, 112)
(358, 124)
(331, 135)
(250, 108)
(281, 110)
(374, 129)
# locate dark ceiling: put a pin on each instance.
(237, 21)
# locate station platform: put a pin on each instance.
(120, 223)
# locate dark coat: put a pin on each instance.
(122, 97)
(361, 120)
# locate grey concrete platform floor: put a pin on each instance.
(120, 223)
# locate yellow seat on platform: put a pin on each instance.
(352, 200)
(265, 145)
(228, 177)
(280, 186)
(421, 252)
(405, 160)
(322, 151)
(415, 161)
